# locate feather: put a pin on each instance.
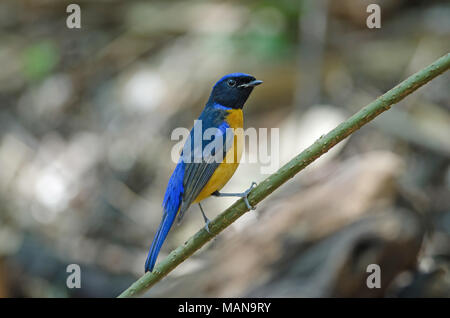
(171, 205)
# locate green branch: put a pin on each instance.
(289, 170)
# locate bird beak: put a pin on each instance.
(251, 84)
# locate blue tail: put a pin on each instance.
(171, 204)
(158, 241)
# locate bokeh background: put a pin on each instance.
(86, 117)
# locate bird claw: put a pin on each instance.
(246, 192)
(207, 225)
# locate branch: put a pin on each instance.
(298, 163)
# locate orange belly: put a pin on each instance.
(226, 169)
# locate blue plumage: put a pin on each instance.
(174, 192)
(218, 106)
(231, 75)
(189, 176)
(171, 204)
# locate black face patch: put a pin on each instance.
(228, 91)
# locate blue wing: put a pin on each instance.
(198, 173)
(189, 178)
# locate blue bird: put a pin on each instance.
(197, 175)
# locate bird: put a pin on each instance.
(197, 175)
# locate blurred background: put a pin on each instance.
(85, 123)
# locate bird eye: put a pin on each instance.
(231, 82)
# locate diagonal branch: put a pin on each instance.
(298, 163)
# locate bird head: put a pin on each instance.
(233, 89)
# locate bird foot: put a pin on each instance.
(246, 192)
(243, 195)
(207, 221)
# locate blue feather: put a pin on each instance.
(221, 107)
(174, 191)
(230, 76)
(171, 204)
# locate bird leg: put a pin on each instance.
(242, 195)
(207, 221)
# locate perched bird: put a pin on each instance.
(197, 175)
